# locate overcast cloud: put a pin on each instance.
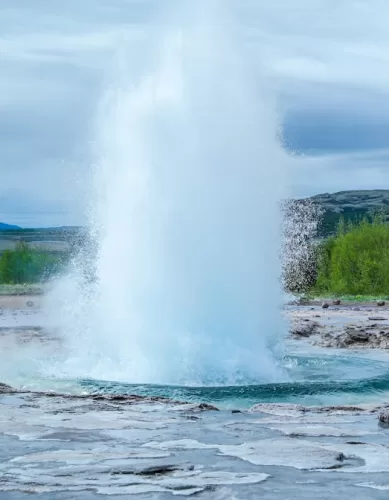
(328, 61)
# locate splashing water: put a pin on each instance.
(186, 220)
(300, 223)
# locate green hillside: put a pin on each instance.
(351, 205)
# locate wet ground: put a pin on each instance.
(78, 447)
(74, 444)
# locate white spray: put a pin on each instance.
(185, 215)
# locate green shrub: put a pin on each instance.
(356, 260)
(26, 265)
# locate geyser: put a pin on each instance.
(184, 212)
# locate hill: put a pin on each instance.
(8, 227)
(352, 205)
(50, 239)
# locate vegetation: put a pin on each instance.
(356, 260)
(351, 206)
(26, 265)
(351, 263)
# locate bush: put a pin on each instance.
(356, 260)
(25, 265)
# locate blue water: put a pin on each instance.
(308, 376)
(310, 380)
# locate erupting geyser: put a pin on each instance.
(188, 178)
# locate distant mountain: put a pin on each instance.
(8, 227)
(351, 205)
(60, 239)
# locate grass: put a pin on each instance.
(317, 296)
(32, 289)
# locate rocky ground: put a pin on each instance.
(344, 325)
(64, 446)
(67, 447)
(338, 325)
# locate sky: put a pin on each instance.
(327, 61)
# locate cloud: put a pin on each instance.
(322, 46)
(311, 175)
(337, 129)
(326, 60)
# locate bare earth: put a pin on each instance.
(342, 326)
(348, 325)
(361, 325)
(19, 302)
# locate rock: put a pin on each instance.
(336, 302)
(207, 407)
(158, 470)
(341, 457)
(195, 407)
(288, 409)
(363, 332)
(352, 337)
(338, 409)
(325, 305)
(383, 417)
(5, 389)
(380, 303)
(305, 329)
(301, 332)
(356, 336)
